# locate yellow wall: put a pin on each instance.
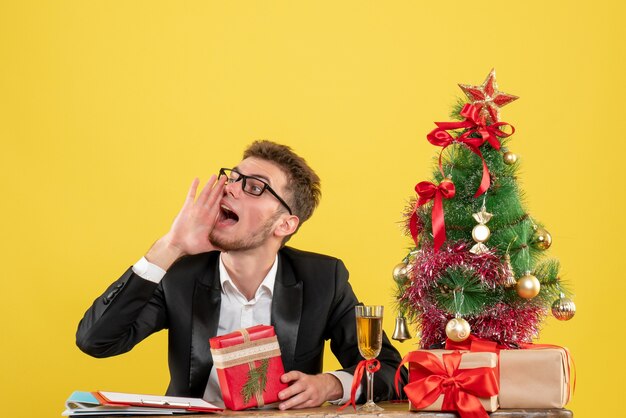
(108, 109)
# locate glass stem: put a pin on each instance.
(370, 386)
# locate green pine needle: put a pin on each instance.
(548, 274)
(456, 109)
(461, 291)
(257, 379)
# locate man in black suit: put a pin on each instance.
(223, 266)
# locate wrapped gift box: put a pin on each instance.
(534, 378)
(249, 367)
(469, 360)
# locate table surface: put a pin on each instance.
(393, 410)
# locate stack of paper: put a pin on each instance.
(115, 403)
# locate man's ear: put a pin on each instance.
(287, 225)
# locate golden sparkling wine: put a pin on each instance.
(369, 331)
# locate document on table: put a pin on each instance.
(115, 403)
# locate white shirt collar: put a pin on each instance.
(267, 283)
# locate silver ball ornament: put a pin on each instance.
(563, 309)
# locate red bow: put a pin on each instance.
(474, 123)
(372, 366)
(461, 388)
(427, 191)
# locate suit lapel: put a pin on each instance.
(286, 310)
(204, 322)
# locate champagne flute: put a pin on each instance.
(369, 329)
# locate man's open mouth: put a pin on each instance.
(227, 216)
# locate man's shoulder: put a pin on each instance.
(300, 255)
(197, 261)
(194, 267)
(308, 265)
(318, 272)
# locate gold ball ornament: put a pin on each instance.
(528, 286)
(481, 233)
(400, 272)
(458, 329)
(563, 309)
(542, 239)
(509, 158)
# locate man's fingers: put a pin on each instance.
(298, 401)
(191, 194)
(216, 192)
(294, 388)
(204, 194)
(291, 376)
(296, 396)
(301, 393)
(290, 391)
(211, 206)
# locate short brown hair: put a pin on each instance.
(303, 185)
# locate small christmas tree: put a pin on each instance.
(478, 264)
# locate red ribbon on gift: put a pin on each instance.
(427, 191)
(461, 388)
(475, 344)
(372, 366)
(475, 124)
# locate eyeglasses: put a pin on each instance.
(251, 185)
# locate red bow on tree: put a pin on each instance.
(474, 123)
(427, 191)
(461, 388)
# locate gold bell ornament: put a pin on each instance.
(563, 308)
(401, 331)
(510, 276)
(481, 232)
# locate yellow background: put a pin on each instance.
(109, 109)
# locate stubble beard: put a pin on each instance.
(249, 242)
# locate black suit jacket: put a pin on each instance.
(312, 302)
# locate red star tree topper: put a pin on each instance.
(488, 97)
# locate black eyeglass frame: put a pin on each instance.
(243, 178)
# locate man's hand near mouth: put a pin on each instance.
(190, 230)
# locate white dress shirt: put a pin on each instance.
(237, 312)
